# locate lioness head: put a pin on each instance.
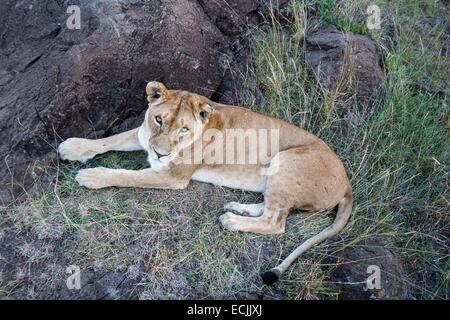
(173, 121)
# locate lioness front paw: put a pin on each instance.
(95, 178)
(77, 149)
(229, 221)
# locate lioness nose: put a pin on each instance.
(159, 155)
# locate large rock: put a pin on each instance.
(353, 270)
(56, 82)
(232, 16)
(347, 65)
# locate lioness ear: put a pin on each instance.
(205, 112)
(156, 92)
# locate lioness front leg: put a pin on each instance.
(97, 178)
(79, 149)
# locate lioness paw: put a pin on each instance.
(94, 178)
(77, 149)
(228, 221)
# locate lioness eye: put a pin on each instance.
(158, 120)
(184, 130)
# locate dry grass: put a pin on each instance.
(170, 241)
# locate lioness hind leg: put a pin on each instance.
(302, 178)
(253, 210)
(286, 187)
(277, 203)
(270, 222)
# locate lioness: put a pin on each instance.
(303, 173)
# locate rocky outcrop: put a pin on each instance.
(56, 82)
(356, 263)
(346, 65)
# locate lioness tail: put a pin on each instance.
(342, 216)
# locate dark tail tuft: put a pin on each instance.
(271, 276)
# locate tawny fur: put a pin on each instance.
(308, 173)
